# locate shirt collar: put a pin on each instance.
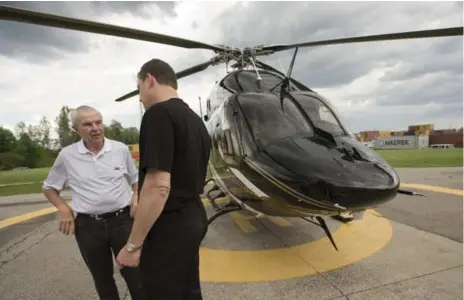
(83, 149)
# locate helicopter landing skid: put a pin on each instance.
(212, 200)
(228, 208)
(345, 218)
(323, 225)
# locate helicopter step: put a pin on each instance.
(344, 217)
(212, 200)
(228, 208)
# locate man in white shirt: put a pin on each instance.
(97, 169)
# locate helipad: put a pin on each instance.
(410, 248)
(296, 249)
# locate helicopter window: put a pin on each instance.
(320, 114)
(231, 84)
(269, 122)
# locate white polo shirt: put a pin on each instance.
(98, 182)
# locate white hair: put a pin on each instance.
(74, 112)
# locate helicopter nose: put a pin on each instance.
(349, 178)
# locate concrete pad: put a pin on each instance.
(308, 288)
(437, 213)
(48, 266)
(410, 254)
(444, 285)
(413, 264)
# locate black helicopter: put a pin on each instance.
(279, 148)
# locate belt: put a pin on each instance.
(107, 215)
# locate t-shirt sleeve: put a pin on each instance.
(58, 176)
(158, 136)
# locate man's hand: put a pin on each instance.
(128, 259)
(66, 220)
(134, 203)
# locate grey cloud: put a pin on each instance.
(439, 59)
(39, 44)
(444, 56)
(263, 23)
(329, 66)
(441, 88)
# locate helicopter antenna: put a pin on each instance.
(258, 80)
(286, 81)
(199, 102)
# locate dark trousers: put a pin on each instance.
(169, 261)
(98, 241)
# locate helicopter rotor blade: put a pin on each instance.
(179, 75)
(453, 31)
(45, 19)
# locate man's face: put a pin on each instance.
(90, 126)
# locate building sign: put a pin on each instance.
(395, 143)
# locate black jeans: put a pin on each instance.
(98, 241)
(169, 261)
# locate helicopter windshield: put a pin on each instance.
(267, 120)
(320, 114)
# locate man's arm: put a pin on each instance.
(55, 182)
(52, 186)
(159, 137)
(152, 198)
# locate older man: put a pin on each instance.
(95, 168)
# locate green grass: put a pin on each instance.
(426, 158)
(37, 176)
(423, 158)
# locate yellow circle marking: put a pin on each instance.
(355, 241)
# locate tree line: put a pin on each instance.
(31, 146)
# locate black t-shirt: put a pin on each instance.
(173, 138)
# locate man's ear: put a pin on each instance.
(152, 80)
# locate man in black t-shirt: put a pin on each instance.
(170, 220)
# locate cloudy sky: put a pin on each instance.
(381, 85)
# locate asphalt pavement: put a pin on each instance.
(410, 248)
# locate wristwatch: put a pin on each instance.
(132, 248)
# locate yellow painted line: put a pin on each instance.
(25, 217)
(433, 188)
(356, 240)
(280, 221)
(242, 222)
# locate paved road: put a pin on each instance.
(416, 255)
(437, 213)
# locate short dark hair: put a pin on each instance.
(161, 70)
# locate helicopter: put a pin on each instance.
(278, 147)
